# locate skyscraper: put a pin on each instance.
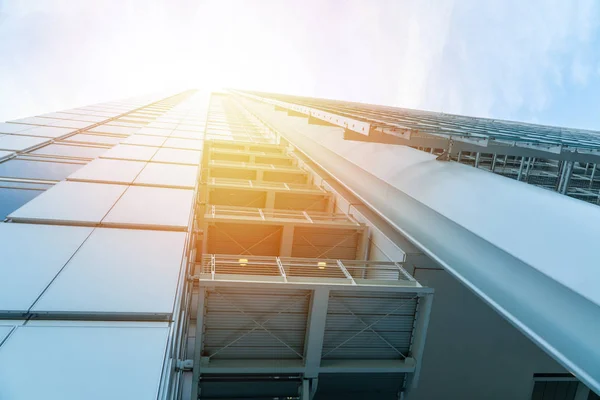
(249, 245)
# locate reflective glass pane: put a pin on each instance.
(94, 139)
(108, 170)
(126, 152)
(82, 362)
(11, 199)
(66, 150)
(178, 156)
(100, 281)
(37, 169)
(71, 201)
(20, 143)
(159, 174)
(152, 206)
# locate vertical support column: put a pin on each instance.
(521, 168)
(582, 392)
(565, 177)
(270, 200)
(592, 176)
(494, 158)
(315, 332)
(287, 240)
(419, 336)
(362, 252)
(201, 304)
(477, 158)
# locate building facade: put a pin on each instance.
(224, 246)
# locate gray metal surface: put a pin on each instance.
(168, 175)
(118, 271)
(32, 255)
(71, 202)
(82, 362)
(152, 206)
(20, 143)
(478, 226)
(178, 156)
(107, 170)
(128, 152)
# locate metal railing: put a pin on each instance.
(277, 215)
(255, 165)
(353, 272)
(248, 183)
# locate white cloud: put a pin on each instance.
(580, 71)
(467, 56)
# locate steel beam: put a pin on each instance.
(516, 289)
(315, 332)
(198, 341)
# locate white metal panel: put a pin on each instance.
(117, 130)
(72, 363)
(95, 139)
(32, 255)
(178, 156)
(151, 206)
(186, 134)
(7, 127)
(5, 154)
(108, 170)
(145, 140)
(154, 131)
(126, 152)
(160, 174)
(47, 131)
(20, 143)
(77, 202)
(189, 144)
(119, 271)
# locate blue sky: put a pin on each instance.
(535, 61)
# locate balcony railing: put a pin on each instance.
(263, 185)
(276, 215)
(303, 270)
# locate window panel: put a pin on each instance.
(126, 152)
(178, 156)
(47, 131)
(94, 139)
(12, 198)
(44, 170)
(67, 150)
(79, 202)
(83, 361)
(188, 144)
(151, 206)
(174, 175)
(20, 143)
(54, 246)
(109, 170)
(145, 140)
(99, 281)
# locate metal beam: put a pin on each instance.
(198, 342)
(419, 336)
(287, 240)
(315, 332)
(282, 366)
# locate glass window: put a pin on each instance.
(152, 206)
(20, 143)
(189, 144)
(94, 139)
(27, 169)
(67, 150)
(13, 198)
(71, 201)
